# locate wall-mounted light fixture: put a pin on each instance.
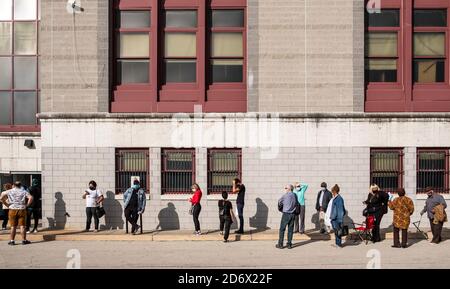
(29, 143)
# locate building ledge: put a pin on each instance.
(248, 115)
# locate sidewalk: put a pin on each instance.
(182, 235)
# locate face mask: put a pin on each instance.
(91, 188)
(136, 187)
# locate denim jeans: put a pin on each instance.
(336, 226)
(286, 220)
(240, 208)
(91, 212)
(195, 215)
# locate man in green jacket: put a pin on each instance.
(299, 224)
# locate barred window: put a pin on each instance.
(131, 164)
(386, 168)
(177, 171)
(433, 170)
(223, 166)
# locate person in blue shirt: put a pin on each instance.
(337, 214)
(287, 205)
(299, 224)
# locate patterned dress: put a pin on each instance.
(403, 208)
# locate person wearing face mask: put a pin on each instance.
(196, 207)
(134, 204)
(434, 205)
(93, 198)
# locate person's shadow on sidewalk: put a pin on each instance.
(168, 219)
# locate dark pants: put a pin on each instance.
(195, 215)
(91, 212)
(225, 224)
(397, 237)
(240, 208)
(5, 219)
(300, 221)
(436, 230)
(35, 213)
(286, 220)
(336, 226)
(131, 215)
(376, 228)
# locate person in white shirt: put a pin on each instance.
(17, 200)
(93, 198)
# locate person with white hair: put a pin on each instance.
(287, 205)
(377, 205)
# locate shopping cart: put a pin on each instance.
(417, 225)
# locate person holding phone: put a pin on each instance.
(93, 198)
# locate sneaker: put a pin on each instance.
(221, 233)
(28, 232)
(34, 231)
(278, 246)
(95, 231)
(136, 230)
(239, 232)
(11, 243)
(225, 241)
(4, 229)
(26, 242)
(289, 246)
(198, 233)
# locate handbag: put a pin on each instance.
(100, 211)
(191, 210)
(342, 231)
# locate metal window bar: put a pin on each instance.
(386, 169)
(131, 164)
(433, 170)
(178, 171)
(223, 167)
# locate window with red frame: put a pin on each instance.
(171, 55)
(386, 168)
(19, 55)
(224, 165)
(132, 164)
(406, 52)
(433, 170)
(177, 171)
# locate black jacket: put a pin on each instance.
(377, 203)
(326, 199)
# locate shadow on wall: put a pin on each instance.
(60, 216)
(259, 220)
(113, 213)
(168, 218)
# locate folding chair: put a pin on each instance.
(364, 230)
(140, 221)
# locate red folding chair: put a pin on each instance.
(364, 230)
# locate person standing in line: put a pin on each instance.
(403, 208)
(93, 198)
(225, 215)
(287, 205)
(134, 205)
(337, 215)
(435, 205)
(377, 203)
(239, 188)
(323, 199)
(196, 207)
(35, 209)
(299, 191)
(6, 188)
(17, 200)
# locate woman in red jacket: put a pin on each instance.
(196, 207)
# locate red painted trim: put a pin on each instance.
(406, 95)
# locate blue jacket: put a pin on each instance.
(338, 209)
(141, 199)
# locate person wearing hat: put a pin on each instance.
(377, 205)
(323, 199)
(134, 204)
(433, 201)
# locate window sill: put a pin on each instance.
(425, 196)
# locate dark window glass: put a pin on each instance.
(384, 70)
(132, 71)
(25, 108)
(133, 19)
(387, 18)
(181, 18)
(431, 171)
(227, 70)
(430, 18)
(180, 71)
(5, 107)
(227, 18)
(131, 165)
(429, 70)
